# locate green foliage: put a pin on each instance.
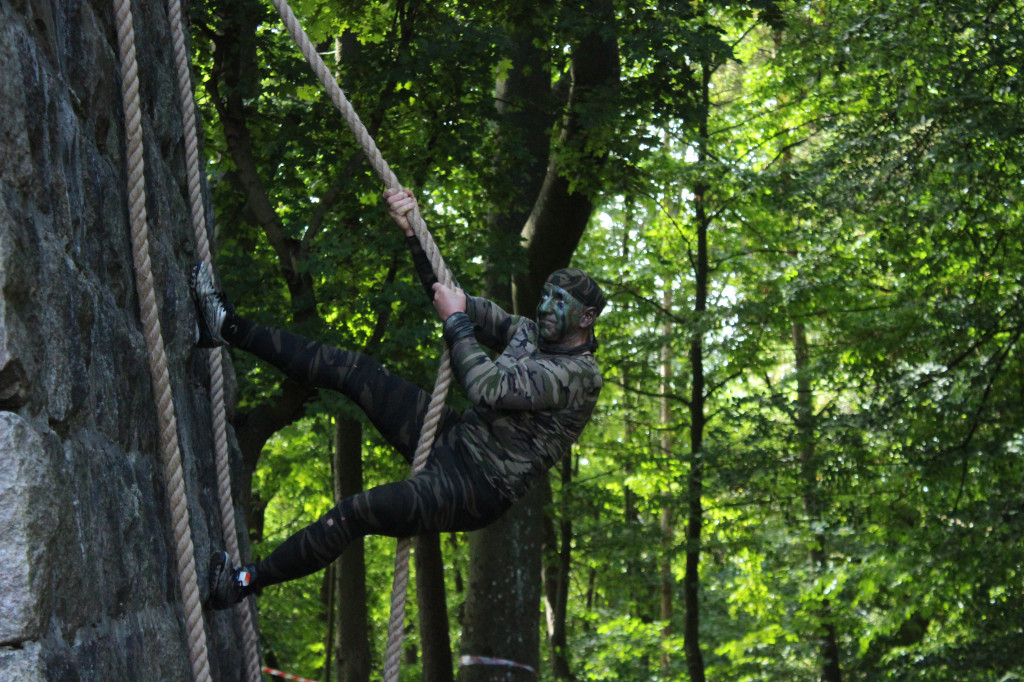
(882, 219)
(295, 482)
(860, 167)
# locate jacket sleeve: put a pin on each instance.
(492, 326)
(421, 263)
(531, 384)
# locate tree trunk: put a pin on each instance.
(636, 565)
(501, 599)
(695, 485)
(504, 576)
(560, 213)
(525, 106)
(352, 643)
(557, 564)
(667, 527)
(331, 589)
(501, 617)
(828, 645)
(433, 609)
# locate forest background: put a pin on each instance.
(807, 458)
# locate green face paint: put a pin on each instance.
(557, 313)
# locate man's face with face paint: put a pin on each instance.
(558, 313)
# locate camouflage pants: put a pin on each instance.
(448, 494)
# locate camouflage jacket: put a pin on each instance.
(528, 406)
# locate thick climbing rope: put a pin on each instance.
(169, 446)
(215, 357)
(396, 624)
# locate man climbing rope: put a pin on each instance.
(528, 406)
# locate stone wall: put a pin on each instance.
(88, 587)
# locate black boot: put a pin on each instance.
(228, 585)
(212, 308)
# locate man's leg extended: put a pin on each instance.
(394, 406)
(441, 499)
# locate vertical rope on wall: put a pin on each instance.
(169, 446)
(215, 356)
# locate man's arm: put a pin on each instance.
(531, 384)
(492, 325)
(424, 270)
(400, 204)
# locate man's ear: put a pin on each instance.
(588, 317)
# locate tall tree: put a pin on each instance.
(351, 646)
(668, 531)
(698, 397)
(556, 575)
(560, 215)
(804, 419)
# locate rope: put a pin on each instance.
(392, 659)
(170, 450)
(215, 357)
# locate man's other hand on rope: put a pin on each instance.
(448, 301)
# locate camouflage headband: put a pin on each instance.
(582, 287)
